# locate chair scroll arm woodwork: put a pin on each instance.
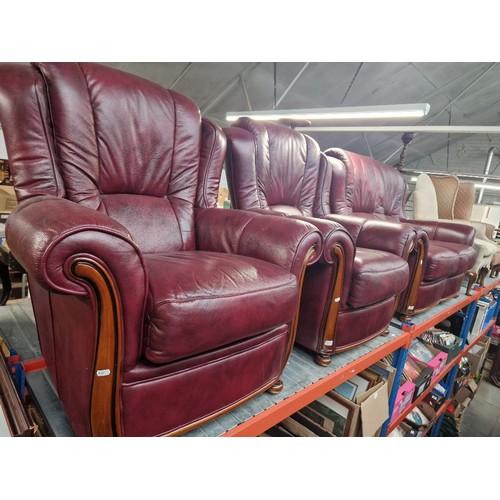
(415, 280)
(311, 256)
(104, 404)
(323, 357)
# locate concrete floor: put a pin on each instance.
(482, 417)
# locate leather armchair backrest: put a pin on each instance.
(360, 185)
(113, 142)
(273, 167)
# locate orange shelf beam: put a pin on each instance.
(275, 414)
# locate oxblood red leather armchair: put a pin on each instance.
(360, 186)
(155, 311)
(350, 295)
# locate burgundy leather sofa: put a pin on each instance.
(350, 294)
(155, 310)
(354, 185)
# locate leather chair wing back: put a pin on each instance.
(269, 176)
(126, 137)
(361, 185)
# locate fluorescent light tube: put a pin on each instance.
(348, 113)
(487, 187)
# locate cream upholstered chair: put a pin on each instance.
(465, 199)
(444, 197)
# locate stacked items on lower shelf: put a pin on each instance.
(464, 391)
(421, 367)
(428, 355)
(357, 407)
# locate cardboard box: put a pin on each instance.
(434, 400)
(423, 380)
(374, 409)
(437, 363)
(404, 430)
(477, 354)
(452, 351)
(387, 371)
(466, 392)
(428, 412)
(404, 398)
(362, 417)
(8, 200)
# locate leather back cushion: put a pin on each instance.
(272, 166)
(446, 187)
(363, 185)
(425, 204)
(127, 147)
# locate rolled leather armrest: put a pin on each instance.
(446, 231)
(388, 236)
(393, 237)
(332, 234)
(338, 246)
(46, 234)
(278, 240)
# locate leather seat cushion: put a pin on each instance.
(199, 301)
(442, 266)
(442, 262)
(376, 276)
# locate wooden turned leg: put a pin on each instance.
(405, 318)
(494, 271)
(471, 280)
(322, 359)
(385, 332)
(483, 272)
(277, 387)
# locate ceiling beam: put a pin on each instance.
(179, 78)
(228, 88)
(297, 76)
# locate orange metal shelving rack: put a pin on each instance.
(312, 381)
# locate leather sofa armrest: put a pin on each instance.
(387, 236)
(332, 234)
(279, 240)
(393, 237)
(45, 234)
(338, 249)
(446, 231)
(54, 238)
